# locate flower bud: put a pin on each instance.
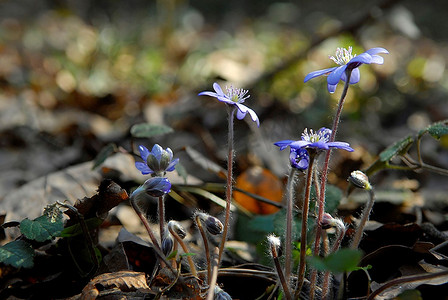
(157, 161)
(274, 243)
(299, 158)
(175, 227)
(360, 180)
(327, 221)
(167, 244)
(212, 224)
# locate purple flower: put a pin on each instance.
(235, 97)
(317, 140)
(299, 158)
(157, 162)
(347, 60)
(154, 186)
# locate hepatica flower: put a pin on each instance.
(347, 61)
(157, 161)
(319, 140)
(154, 186)
(232, 97)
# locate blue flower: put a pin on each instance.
(347, 60)
(235, 97)
(154, 186)
(157, 186)
(157, 162)
(299, 158)
(317, 140)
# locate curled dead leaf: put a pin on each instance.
(122, 281)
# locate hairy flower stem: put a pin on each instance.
(206, 248)
(186, 250)
(364, 218)
(231, 110)
(161, 208)
(324, 176)
(303, 236)
(214, 276)
(281, 277)
(340, 232)
(145, 223)
(289, 217)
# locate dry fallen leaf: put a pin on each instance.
(124, 281)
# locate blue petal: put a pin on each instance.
(218, 89)
(319, 145)
(157, 151)
(144, 152)
(226, 100)
(243, 110)
(299, 144)
(318, 73)
(283, 144)
(363, 58)
(332, 87)
(326, 132)
(340, 145)
(354, 77)
(142, 167)
(335, 76)
(170, 153)
(211, 94)
(172, 165)
(376, 59)
(377, 50)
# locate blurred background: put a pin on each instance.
(76, 75)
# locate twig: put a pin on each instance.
(405, 279)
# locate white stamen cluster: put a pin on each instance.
(342, 56)
(237, 95)
(313, 137)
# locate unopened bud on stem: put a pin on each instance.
(360, 180)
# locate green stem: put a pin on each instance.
(303, 236)
(321, 198)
